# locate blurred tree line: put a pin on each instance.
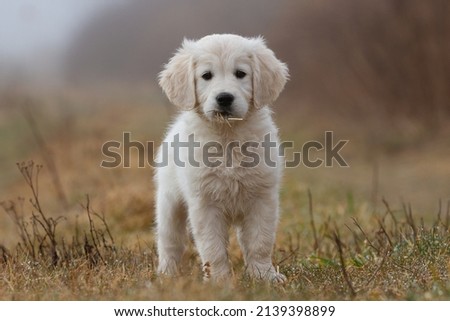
(355, 57)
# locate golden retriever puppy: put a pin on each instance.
(220, 164)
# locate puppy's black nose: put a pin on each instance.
(224, 100)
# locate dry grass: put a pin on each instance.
(339, 241)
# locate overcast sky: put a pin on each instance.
(28, 27)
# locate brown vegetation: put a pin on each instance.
(336, 243)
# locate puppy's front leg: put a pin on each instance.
(171, 231)
(256, 236)
(210, 231)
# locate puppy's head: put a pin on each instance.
(224, 76)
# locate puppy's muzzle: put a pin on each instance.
(224, 103)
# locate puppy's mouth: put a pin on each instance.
(225, 117)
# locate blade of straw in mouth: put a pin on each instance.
(227, 120)
(224, 119)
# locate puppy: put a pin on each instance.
(223, 85)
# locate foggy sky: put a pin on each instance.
(30, 27)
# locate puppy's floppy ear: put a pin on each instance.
(177, 78)
(269, 74)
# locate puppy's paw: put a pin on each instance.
(168, 268)
(266, 272)
(277, 278)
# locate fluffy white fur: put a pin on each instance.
(206, 200)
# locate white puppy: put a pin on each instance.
(223, 85)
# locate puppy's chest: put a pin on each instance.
(235, 174)
(236, 181)
(231, 185)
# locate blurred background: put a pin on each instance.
(74, 74)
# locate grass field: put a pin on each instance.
(71, 230)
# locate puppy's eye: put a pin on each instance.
(207, 75)
(240, 74)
